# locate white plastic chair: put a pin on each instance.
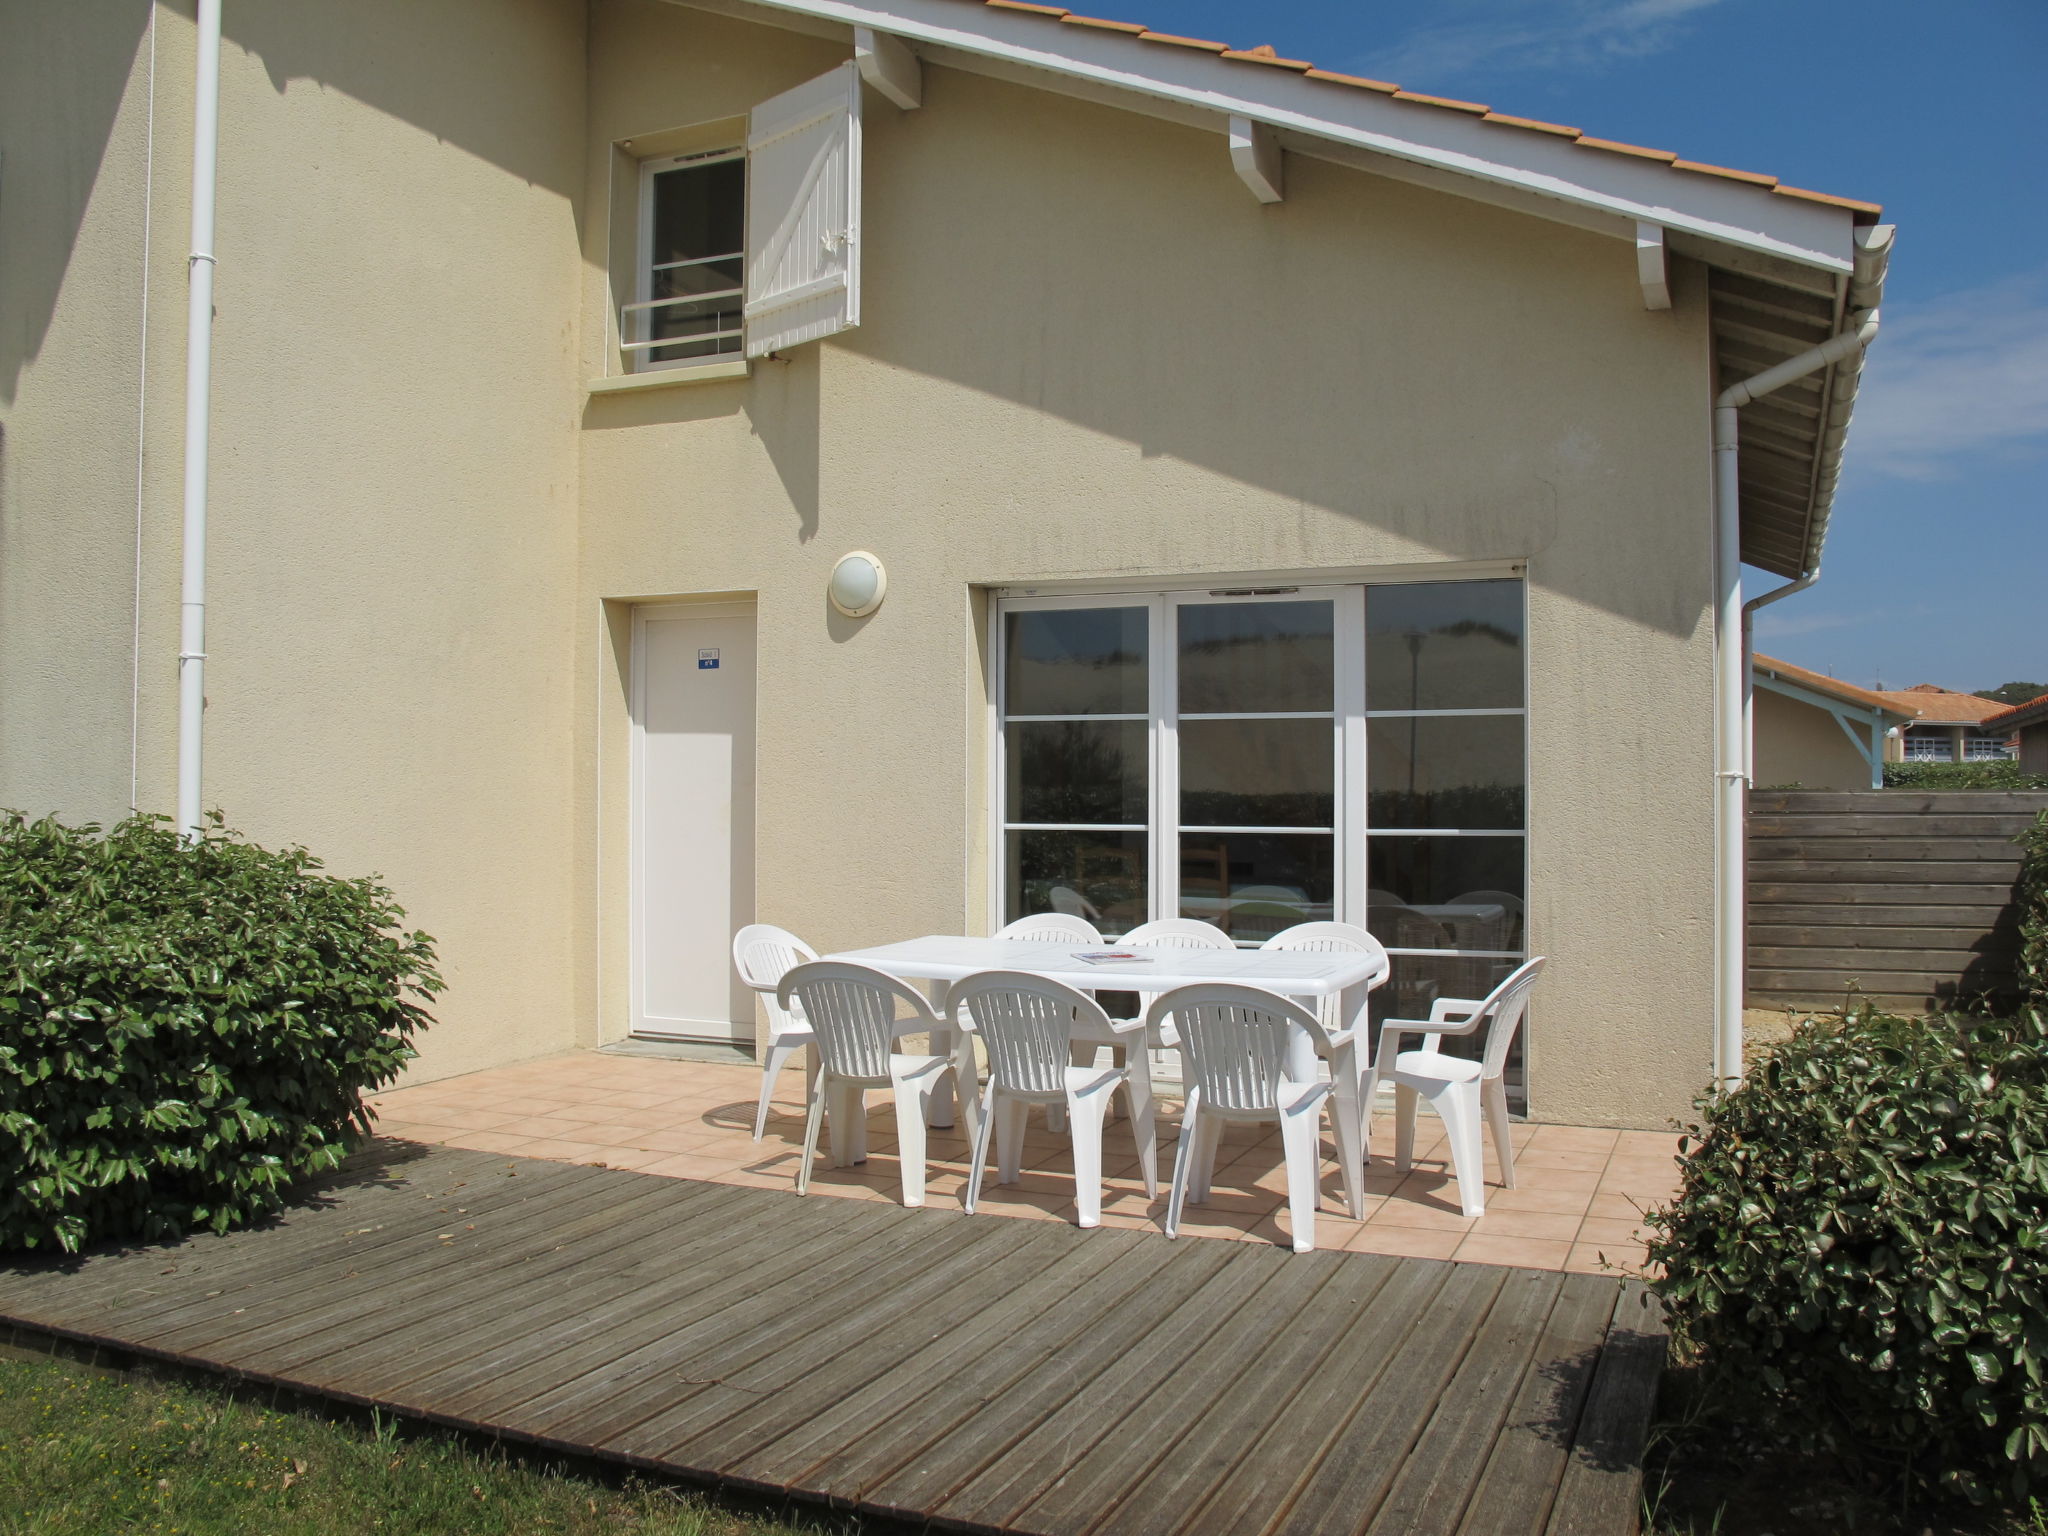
(1236, 1041)
(1028, 1025)
(1061, 927)
(1460, 1089)
(763, 954)
(1173, 933)
(1351, 1063)
(852, 1010)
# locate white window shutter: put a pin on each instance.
(803, 213)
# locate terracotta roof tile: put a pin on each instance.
(1132, 27)
(1183, 42)
(1536, 123)
(1266, 55)
(1754, 178)
(1852, 204)
(1443, 101)
(2033, 712)
(1386, 87)
(1932, 705)
(1820, 682)
(1619, 148)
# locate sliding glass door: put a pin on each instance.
(1259, 758)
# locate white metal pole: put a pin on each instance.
(198, 391)
(1731, 678)
(1730, 769)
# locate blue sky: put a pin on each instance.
(1937, 561)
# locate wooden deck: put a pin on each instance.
(975, 1373)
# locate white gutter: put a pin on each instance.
(1731, 678)
(198, 399)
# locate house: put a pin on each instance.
(2028, 724)
(883, 468)
(1816, 732)
(1948, 727)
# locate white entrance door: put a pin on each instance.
(693, 818)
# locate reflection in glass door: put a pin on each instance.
(1076, 747)
(1255, 727)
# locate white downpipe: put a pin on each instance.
(1776, 594)
(198, 399)
(1731, 680)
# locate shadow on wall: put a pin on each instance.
(56, 120)
(59, 116)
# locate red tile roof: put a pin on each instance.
(2033, 712)
(1820, 682)
(1264, 55)
(1931, 704)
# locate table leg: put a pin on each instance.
(941, 1113)
(1353, 1112)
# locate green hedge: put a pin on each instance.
(2031, 899)
(2000, 773)
(1858, 1257)
(185, 1030)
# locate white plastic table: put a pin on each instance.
(942, 959)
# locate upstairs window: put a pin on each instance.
(755, 246)
(693, 218)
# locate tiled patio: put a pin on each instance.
(1577, 1205)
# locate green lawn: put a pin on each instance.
(85, 1453)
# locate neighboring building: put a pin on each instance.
(2028, 724)
(1276, 475)
(1948, 727)
(1810, 730)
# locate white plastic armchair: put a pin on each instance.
(763, 954)
(1239, 1046)
(854, 1014)
(1060, 927)
(1028, 1025)
(1351, 1062)
(1460, 1089)
(1173, 933)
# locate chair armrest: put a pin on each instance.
(1127, 1026)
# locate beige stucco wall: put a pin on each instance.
(74, 121)
(394, 465)
(1795, 743)
(1087, 351)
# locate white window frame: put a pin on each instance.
(637, 348)
(1350, 829)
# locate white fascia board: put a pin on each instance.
(1628, 189)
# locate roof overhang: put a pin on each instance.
(1788, 267)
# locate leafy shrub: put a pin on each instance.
(1994, 773)
(1858, 1255)
(2030, 897)
(185, 1030)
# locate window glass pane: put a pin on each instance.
(1253, 885)
(1257, 773)
(1445, 892)
(1444, 645)
(705, 319)
(1448, 771)
(1076, 661)
(699, 210)
(1255, 656)
(1077, 770)
(700, 277)
(1097, 875)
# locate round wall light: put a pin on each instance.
(858, 584)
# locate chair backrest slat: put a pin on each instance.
(853, 1010)
(1235, 1040)
(763, 954)
(1027, 1023)
(1505, 1008)
(1060, 927)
